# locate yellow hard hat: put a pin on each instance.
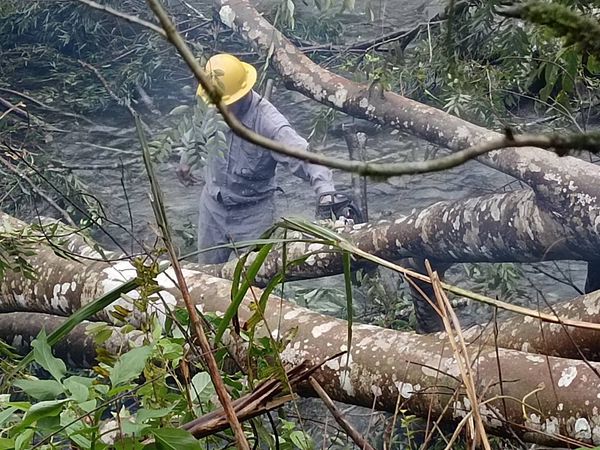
(234, 78)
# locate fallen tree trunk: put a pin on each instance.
(534, 336)
(519, 333)
(492, 228)
(527, 164)
(565, 188)
(384, 367)
(78, 349)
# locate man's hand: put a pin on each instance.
(329, 198)
(185, 176)
(334, 205)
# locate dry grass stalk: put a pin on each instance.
(544, 317)
(453, 329)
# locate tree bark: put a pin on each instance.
(508, 227)
(382, 364)
(566, 188)
(531, 335)
(78, 349)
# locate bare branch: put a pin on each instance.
(559, 144)
(38, 191)
(362, 168)
(128, 17)
(339, 418)
(45, 106)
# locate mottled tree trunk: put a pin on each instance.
(531, 335)
(78, 349)
(508, 227)
(566, 208)
(383, 367)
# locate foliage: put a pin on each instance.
(294, 439)
(320, 23)
(386, 298)
(18, 244)
(43, 54)
(75, 408)
(30, 178)
(138, 395)
(501, 279)
(15, 247)
(321, 123)
(194, 133)
(484, 66)
(481, 66)
(578, 29)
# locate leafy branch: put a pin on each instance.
(576, 28)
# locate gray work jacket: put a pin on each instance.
(246, 172)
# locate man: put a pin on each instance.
(237, 202)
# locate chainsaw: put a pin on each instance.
(335, 205)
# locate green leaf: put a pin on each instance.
(75, 428)
(130, 365)
(78, 390)
(88, 406)
(23, 440)
(573, 62)
(40, 389)
(301, 440)
(550, 78)
(258, 315)
(21, 406)
(6, 414)
(143, 415)
(42, 354)
(133, 428)
(178, 110)
(174, 439)
(202, 387)
(250, 274)
(7, 444)
(40, 410)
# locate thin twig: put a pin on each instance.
(128, 17)
(452, 326)
(39, 192)
(358, 438)
(114, 166)
(10, 107)
(45, 106)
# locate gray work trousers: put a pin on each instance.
(219, 224)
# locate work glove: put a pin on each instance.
(336, 205)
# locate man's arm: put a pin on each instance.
(321, 178)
